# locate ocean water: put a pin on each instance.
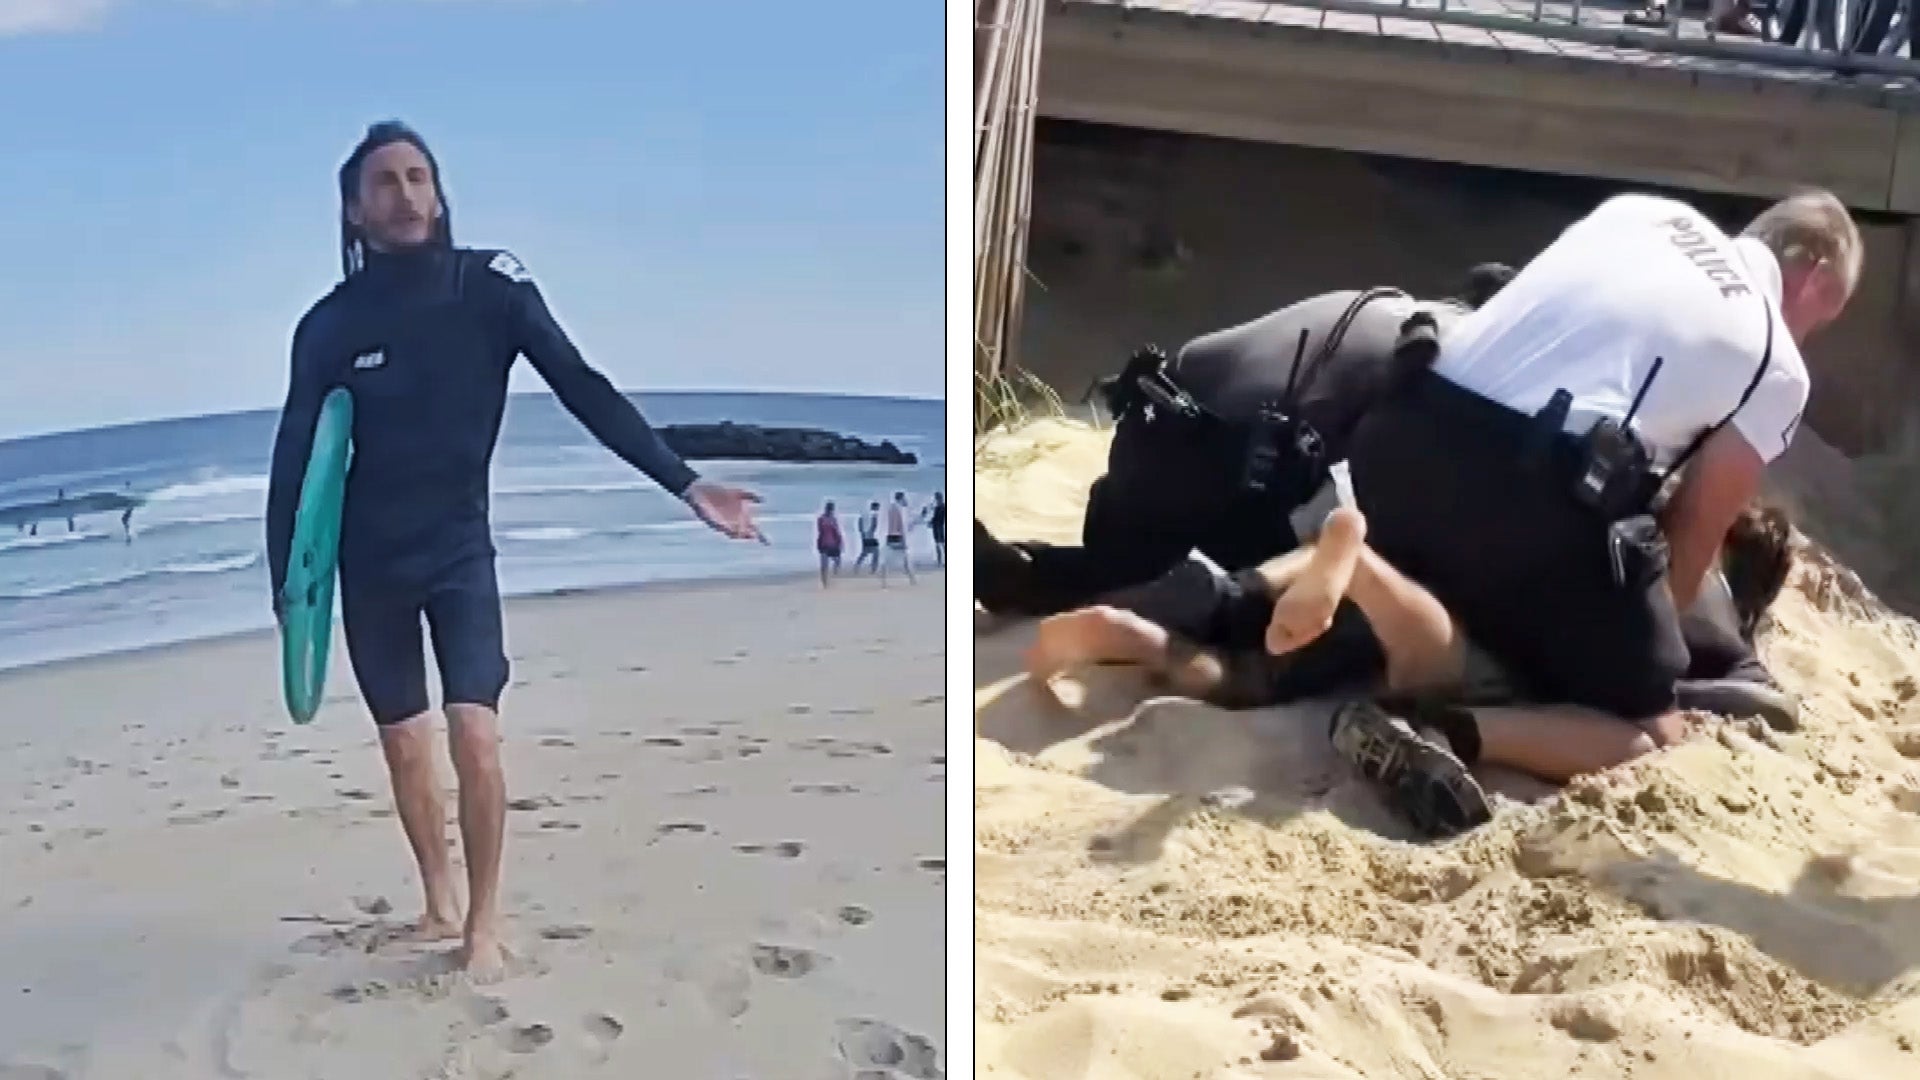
(566, 515)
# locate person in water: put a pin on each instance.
(936, 515)
(828, 542)
(424, 334)
(897, 522)
(869, 526)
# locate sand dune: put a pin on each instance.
(1167, 890)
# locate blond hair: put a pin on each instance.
(1812, 227)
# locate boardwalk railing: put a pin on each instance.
(1846, 37)
(1006, 88)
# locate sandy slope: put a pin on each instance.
(723, 857)
(1170, 891)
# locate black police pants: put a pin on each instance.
(1454, 499)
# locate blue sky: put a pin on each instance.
(712, 195)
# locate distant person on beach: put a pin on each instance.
(424, 335)
(869, 526)
(936, 517)
(827, 541)
(897, 520)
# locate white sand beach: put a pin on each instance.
(1167, 890)
(724, 855)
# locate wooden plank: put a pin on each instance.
(1412, 29)
(1469, 36)
(1391, 96)
(1291, 15)
(1341, 22)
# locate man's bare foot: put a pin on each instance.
(1093, 635)
(438, 924)
(1306, 609)
(482, 957)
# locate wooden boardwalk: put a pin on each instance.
(1402, 84)
(1408, 21)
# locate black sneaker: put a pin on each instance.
(1424, 781)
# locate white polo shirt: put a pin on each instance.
(1640, 278)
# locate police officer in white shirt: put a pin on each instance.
(1643, 342)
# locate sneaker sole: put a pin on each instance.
(1429, 785)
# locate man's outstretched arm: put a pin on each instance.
(306, 388)
(585, 392)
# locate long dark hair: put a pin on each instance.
(353, 244)
(1757, 560)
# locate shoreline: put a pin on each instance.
(660, 587)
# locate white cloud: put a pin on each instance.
(50, 16)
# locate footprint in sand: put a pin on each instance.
(10, 1071)
(855, 915)
(559, 825)
(704, 732)
(937, 865)
(354, 793)
(786, 961)
(527, 1038)
(662, 740)
(704, 789)
(533, 802)
(672, 828)
(558, 741)
(786, 849)
(859, 750)
(566, 932)
(486, 1011)
(604, 1027)
(824, 789)
(878, 1045)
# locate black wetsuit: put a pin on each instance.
(425, 340)
(937, 522)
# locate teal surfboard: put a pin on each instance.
(306, 627)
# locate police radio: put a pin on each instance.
(1285, 456)
(1616, 475)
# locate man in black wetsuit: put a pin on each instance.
(424, 334)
